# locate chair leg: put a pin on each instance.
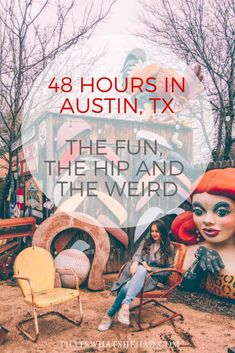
(173, 316)
(160, 322)
(35, 317)
(140, 305)
(139, 314)
(74, 322)
(24, 332)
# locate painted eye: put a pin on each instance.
(198, 212)
(221, 212)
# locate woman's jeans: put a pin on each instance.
(129, 290)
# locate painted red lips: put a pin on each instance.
(210, 232)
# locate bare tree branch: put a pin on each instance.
(204, 33)
(28, 45)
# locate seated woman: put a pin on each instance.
(153, 252)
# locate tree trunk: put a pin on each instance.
(7, 186)
(2, 188)
(216, 154)
(228, 139)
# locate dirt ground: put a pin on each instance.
(204, 332)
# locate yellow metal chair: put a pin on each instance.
(35, 271)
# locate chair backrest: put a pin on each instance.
(38, 265)
(180, 252)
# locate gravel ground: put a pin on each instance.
(205, 302)
(201, 301)
(208, 326)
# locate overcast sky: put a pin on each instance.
(122, 19)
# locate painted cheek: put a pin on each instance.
(226, 222)
(198, 221)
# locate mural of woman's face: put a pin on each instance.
(214, 217)
(155, 232)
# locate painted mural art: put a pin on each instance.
(209, 231)
(33, 198)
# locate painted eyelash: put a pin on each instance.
(223, 209)
(195, 210)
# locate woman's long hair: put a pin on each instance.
(165, 244)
